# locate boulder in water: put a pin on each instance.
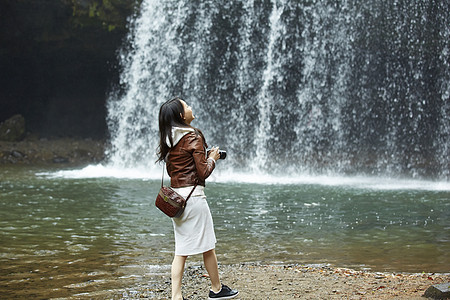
(438, 291)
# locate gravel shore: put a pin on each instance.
(37, 151)
(295, 282)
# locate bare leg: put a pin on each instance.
(210, 260)
(177, 275)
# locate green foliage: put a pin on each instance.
(108, 14)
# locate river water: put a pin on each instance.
(75, 232)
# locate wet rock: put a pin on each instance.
(17, 154)
(13, 129)
(4, 154)
(81, 153)
(60, 160)
(438, 291)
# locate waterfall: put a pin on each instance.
(264, 97)
(292, 87)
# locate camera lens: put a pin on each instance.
(222, 153)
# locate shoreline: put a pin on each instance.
(256, 281)
(56, 151)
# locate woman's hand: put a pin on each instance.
(214, 153)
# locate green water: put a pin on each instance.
(92, 236)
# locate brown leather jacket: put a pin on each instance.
(187, 162)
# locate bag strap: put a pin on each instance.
(191, 192)
(164, 163)
(162, 177)
(162, 183)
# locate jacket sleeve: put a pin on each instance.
(203, 165)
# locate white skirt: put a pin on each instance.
(194, 230)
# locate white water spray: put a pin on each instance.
(289, 88)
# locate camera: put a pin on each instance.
(222, 153)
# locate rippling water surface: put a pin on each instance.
(65, 235)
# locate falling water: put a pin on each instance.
(292, 87)
(264, 96)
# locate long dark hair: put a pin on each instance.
(171, 114)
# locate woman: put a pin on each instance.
(183, 147)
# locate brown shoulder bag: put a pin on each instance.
(170, 202)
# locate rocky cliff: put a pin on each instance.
(58, 60)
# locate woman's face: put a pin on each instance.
(188, 116)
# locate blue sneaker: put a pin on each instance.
(224, 293)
